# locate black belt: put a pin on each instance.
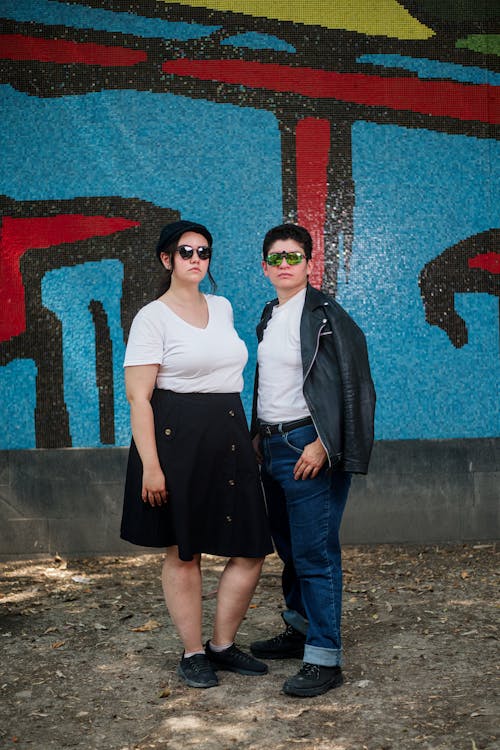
(274, 429)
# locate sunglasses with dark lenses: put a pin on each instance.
(186, 252)
(276, 259)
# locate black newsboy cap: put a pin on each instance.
(172, 232)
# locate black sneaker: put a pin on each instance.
(287, 645)
(197, 671)
(233, 659)
(313, 679)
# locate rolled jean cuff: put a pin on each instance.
(295, 619)
(324, 657)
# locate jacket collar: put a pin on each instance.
(314, 299)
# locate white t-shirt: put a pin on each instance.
(192, 360)
(280, 397)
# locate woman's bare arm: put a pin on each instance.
(139, 383)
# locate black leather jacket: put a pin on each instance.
(338, 387)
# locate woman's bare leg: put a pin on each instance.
(181, 583)
(236, 588)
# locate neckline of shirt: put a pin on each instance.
(295, 301)
(190, 325)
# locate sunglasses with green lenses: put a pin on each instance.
(276, 259)
(186, 252)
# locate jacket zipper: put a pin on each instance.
(303, 383)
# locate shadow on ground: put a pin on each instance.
(89, 658)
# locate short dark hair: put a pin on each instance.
(288, 232)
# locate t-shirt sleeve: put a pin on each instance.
(146, 342)
(228, 309)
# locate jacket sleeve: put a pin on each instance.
(266, 314)
(358, 396)
(253, 423)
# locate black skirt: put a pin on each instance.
(215, 500)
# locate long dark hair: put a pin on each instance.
(166, 278)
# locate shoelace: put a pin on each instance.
(235, 653)
(288, 633)
(309, 670)
(198, 664)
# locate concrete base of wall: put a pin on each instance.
(68, 502)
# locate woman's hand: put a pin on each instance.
(154, 487)
(312, 459)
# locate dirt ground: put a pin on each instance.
(88, 659)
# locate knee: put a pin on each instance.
(172, 562)
(308, 560)
(248, 565)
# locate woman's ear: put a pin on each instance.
(165, 259)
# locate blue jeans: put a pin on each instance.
(305, 517)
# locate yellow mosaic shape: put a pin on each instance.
(374, 17)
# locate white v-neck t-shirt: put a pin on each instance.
(191, 359)
(280, 397)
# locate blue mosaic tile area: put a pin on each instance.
(102, 144)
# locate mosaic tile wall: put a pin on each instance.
(373, 124)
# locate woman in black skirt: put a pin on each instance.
(192, 483)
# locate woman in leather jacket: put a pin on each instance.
(312, 423)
